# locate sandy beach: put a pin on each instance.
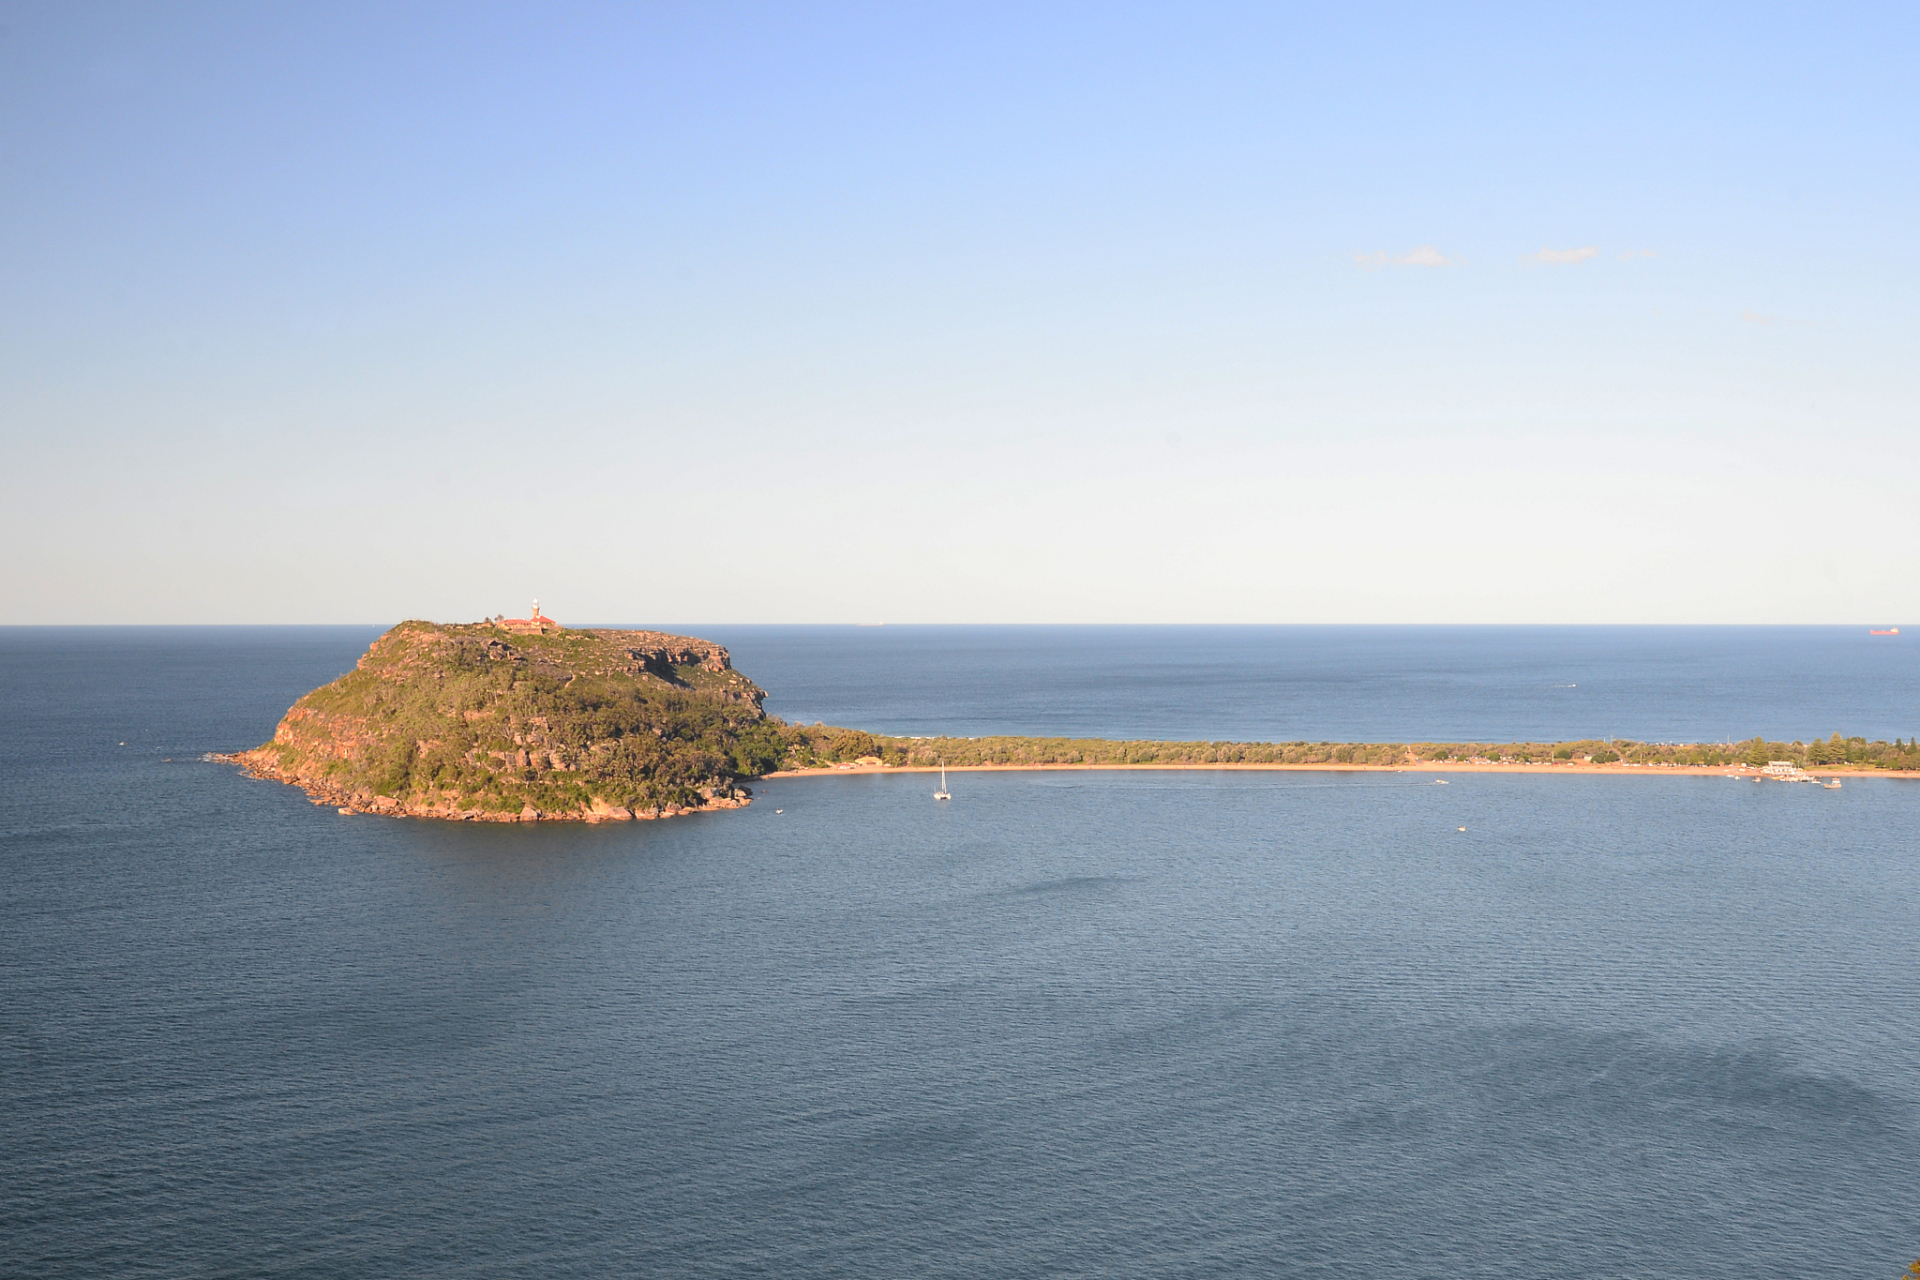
(1446, 766)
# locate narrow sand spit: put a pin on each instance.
(1432, 766)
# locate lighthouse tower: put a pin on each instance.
(534, 625)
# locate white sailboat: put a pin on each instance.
(943, 793)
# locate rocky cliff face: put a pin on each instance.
(468, 722)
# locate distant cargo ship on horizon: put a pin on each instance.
(1890, 631)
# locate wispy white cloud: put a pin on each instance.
(1754, 317)
(1426, 256)
(1423, 256)
(1565, 257)
(1630, 254)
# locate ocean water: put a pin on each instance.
(1162, 1024)
(1341, 684)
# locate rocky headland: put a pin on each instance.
(498, 722)
(523, 720)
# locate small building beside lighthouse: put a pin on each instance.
(537, 625)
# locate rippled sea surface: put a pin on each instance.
(1159, 1024)
(1342, 684)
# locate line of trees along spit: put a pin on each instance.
(819, 744)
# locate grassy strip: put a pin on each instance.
(821, 745)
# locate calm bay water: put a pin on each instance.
(1341, 684)
(1167, 1024)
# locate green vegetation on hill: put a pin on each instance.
(475, 722)
(819, 745)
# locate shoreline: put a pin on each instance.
(255, 764)
(1450, 766)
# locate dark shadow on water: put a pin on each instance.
(1069, 884)
(511, 854)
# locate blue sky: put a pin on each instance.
(983, 313)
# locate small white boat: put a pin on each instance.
(943, 793)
